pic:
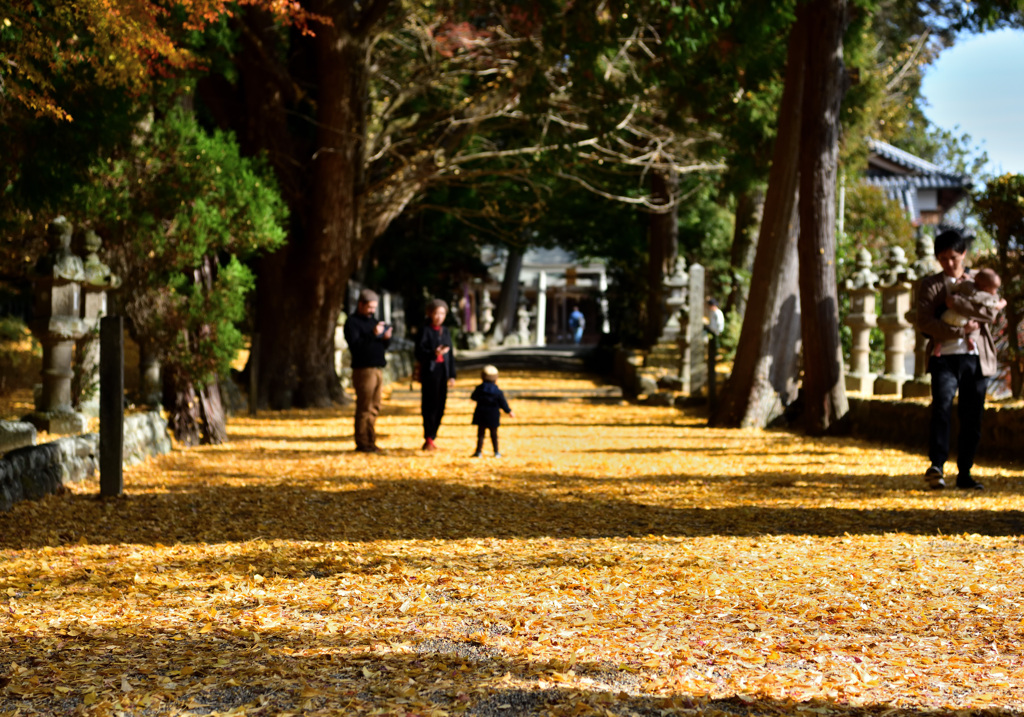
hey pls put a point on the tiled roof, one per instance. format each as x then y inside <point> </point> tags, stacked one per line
<point>920,173</point>
<point>931,181</point>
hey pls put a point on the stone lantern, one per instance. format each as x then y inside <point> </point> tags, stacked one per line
<point>925,265</point>
<point>675,291</point>
<point>57,324</point>
<point>97,282</point>
<point>893,321</point>
<point>861,319</point>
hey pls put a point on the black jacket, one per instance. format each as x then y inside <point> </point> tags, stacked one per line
<point>490,402</point>
<point>366,347</point>
<point>426,354</point>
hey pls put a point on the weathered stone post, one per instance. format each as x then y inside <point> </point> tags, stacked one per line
<point>57,324</point>
<point>925,265</point>
<point>693,326</point>
<point>98,281</point>
<point>862,290</point>
<point>893,321</point>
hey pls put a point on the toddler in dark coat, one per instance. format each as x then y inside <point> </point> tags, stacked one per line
<point>490,402</point>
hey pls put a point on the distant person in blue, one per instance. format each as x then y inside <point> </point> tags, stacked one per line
<point>576,324</point>
<point>436,369</point>
<point>490,402</point>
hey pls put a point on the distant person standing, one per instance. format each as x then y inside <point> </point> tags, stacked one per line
<point>368,340</point>
<point>576,324</point>
<point>490,402</point>
<point>716,319</point>
<point>436,368</point>
<point>961,360</point>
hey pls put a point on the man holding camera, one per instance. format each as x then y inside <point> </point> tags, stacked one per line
<point>368,340</point>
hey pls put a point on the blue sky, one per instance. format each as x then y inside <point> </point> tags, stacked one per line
<point>978,86</point>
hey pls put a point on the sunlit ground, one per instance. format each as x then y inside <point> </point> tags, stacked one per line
<point>618,559</point>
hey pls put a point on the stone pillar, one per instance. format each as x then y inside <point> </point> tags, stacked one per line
<point>861,319</point>
<point>925,265</point>
<point>340,347</point>
<point>57,324</point>
<point>602,288</point>
<point>542,307</point>
<point>486,310</point>
<point>693,326</point>
<point>893,321</point>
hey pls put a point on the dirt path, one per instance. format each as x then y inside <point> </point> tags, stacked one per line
<point>617,560</point>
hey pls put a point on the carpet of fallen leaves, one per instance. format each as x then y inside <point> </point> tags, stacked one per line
<point>619,560</point>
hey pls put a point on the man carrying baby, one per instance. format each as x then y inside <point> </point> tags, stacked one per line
<point>962,359</point>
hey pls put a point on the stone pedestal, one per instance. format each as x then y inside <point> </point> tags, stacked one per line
<point>893,321</point>
<point>861,319</point>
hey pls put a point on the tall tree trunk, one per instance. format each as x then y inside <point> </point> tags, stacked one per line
<point>663,245</point>
<point>749,212</point>
<point>825,402</point>
<point>508,297</point>
<point>297,346</point>
<point>764,375</point>
<point>183,416</point>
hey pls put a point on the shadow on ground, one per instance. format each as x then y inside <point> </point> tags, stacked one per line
<point>176,670</point>
<point>358,508</point>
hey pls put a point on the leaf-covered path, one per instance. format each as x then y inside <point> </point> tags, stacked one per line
<point>618,560</point>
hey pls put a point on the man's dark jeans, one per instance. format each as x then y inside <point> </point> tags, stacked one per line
<point>950,375</point>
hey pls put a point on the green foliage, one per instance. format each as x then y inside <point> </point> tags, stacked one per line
<point>873,222</point>
<point>178,212</point>
<point>1000,207</point>
<point>705,236</point>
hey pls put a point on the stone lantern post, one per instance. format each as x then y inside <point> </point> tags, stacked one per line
<point>675,291</point>
<point>893,321</point>
<point>925,265</point>
<point>862,290</point>
<point>97,282</point>
<point>57,323</point>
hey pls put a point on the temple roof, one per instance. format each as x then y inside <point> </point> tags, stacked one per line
<point>890,167</point>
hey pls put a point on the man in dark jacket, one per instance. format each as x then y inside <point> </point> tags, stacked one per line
<point>963,366</point>
<point>368,340</point>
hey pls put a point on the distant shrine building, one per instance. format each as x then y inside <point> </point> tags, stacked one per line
<point>924,190</point>
<point>550,283</point>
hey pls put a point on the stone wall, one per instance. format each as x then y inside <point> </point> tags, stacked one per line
<point>905,423</point>
<point>31,472</point>
<point>16,434</point>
